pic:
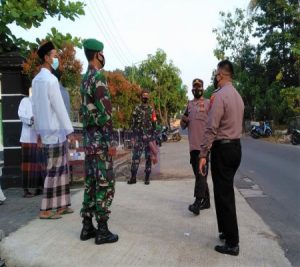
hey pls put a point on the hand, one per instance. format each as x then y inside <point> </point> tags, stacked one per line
<point>112,151</point>
<point>39,142</point>
<point>71,138</point>
<point>185,119</point>
<point>202,166</point>
<point>31,121</point>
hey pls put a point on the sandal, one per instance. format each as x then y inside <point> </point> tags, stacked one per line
<point>38,192</point>
<point>28,195</point>
<point>64,211</point>
<point>52,216</point>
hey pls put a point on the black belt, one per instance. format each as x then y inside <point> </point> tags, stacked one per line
<point>227,141</point>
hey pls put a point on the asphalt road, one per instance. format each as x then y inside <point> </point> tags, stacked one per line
<point>272,172</point>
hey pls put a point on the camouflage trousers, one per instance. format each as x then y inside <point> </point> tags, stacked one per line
<point>138,149</point>
<point>99,188</point>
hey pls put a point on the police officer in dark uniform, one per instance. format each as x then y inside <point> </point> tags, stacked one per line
<point>222,135</point>
<point>195,119</point>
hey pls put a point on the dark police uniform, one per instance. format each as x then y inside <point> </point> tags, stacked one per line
<point>196,112</point>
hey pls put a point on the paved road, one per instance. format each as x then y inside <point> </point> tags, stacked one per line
<point>272,171</point>
<point>154,225</point>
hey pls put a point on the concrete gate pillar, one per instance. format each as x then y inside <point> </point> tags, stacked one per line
<point>14,86</point>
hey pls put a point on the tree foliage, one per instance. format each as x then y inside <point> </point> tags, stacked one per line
<point>234,36</point>
<point>31,13</point>
<point>263,71</point>
<point>125,95</point>
<point>162,78</point>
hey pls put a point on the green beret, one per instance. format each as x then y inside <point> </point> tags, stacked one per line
<point>93,44</point>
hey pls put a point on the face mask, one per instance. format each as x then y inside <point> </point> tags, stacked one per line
<point>216,82</point>
<point>102,61</point>
<point>55,63</point>
<point>145,100</point>
<point>197,93</point>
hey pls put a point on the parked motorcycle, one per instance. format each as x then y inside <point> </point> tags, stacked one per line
<point>295,139</point>
<point>263,130</point>
<point>158,139</point>
<point>169,135</point>
<point>164,134</point>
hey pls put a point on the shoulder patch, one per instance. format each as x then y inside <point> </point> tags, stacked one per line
<point>211,101</point>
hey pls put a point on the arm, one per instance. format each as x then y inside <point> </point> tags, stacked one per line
<point>59,108</point>
<point>215,115</point>
<point>132,124</point>
<point>154,120</point>
<point>66,98</point>
<point>185,119</point>
<point>24,111</point>
<point>132,119</point>
<point>102,105</point>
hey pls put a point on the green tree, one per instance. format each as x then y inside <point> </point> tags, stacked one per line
<point>263,71</point>
<point>209,91</point>
<point>292,97</point>
<point>278,28</point>
<point>31,13</point>
<point>125,96</point>
<point>233,38</point>
<point>249,78</point>
<point>162,78</point>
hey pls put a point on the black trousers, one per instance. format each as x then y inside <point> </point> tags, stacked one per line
<point>225,160</point>
<point>201,188</point>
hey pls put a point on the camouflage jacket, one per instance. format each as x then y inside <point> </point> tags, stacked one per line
<point>96,110</point>
<point>143,122</point>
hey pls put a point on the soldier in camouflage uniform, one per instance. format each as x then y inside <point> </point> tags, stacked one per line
<point>97,131</point>
<point>143,122</point>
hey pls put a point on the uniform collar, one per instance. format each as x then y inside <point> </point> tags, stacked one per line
<point>92,67</point>
<point>197,101</point>
<point>225,85</point>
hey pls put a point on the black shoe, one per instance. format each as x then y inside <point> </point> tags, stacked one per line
<point>38,192</point>
<point>147,179</point>
<point>88,230</point>
<point>103,235</point>
<point>131,181</point>
<point>195,207</point>
<point>222,236</point>
<point>205,204</point>
<point>225,249</point>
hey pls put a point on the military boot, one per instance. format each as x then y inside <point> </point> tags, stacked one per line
<point>147,178</point>
<point>205,202</point>
<point>132,180</point>
<point>195,207</point>
<point>103,235</point>
<point>88,230</point>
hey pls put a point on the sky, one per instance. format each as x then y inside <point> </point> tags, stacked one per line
<point>133,29</point>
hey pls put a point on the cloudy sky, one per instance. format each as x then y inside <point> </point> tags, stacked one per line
<point>130,30</point>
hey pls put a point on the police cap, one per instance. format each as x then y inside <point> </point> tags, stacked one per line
<point>197,81</point>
